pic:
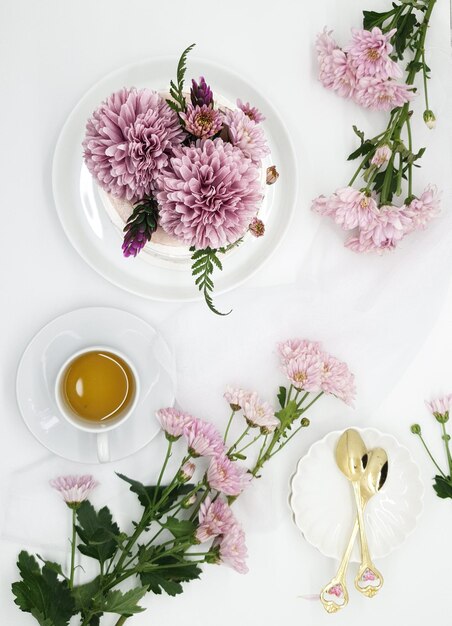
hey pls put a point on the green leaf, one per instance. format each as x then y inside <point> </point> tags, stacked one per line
<point>85,595</point>
<point>373,18</point>
<point>147,494</point>
<point>166,573</point>
<point>358,133</point>
<point>42,621</point>
<point>41,593</point>
<point>177,103</point>
<point>204,261</point>
<point>98,532</point>
<point>364,148</point>
<point>180,527</point>
<point>443,486</point>
<point>124,603</point>
<point>404,31</point>
<point>282,394</point>
<point>288,414</point>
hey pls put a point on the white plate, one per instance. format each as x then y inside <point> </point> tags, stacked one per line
<point>98,241</point>
<point>76,330</point>
<point>323,504</point>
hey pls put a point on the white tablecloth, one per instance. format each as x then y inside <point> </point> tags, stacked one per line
<point>389,318</point>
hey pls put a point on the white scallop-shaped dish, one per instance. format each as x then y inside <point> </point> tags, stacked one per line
<point>323,504</point>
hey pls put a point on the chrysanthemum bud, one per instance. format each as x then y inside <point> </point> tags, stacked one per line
<point>429,119</point>
<point>382,155</point>
<point>189,501</point>
<point>305,422</point>
<point>257,227</point>
<point>442,418</point>
<point>416,429</point>
<point>186,471</point>
<point>272,175</point>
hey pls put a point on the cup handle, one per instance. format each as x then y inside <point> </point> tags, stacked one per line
<point>103,449</point>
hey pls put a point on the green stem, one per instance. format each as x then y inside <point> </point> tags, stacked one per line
<point>73,541</point>
<point>229,425</point>
<point>446,445</point>
<point>431,457</point>
<point>424,77</point>
<point>234,446</point>
<point>122,620</point>
<point>162,471</point>
<point>313,401</point>
<point>250,443</point>
<point>410,165</point>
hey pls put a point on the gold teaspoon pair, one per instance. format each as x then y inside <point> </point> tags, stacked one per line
<point>367,471</point>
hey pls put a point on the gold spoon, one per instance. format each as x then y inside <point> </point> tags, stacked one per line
<point>334,595</point>
<point>351,458</point>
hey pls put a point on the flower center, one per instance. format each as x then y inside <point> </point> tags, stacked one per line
<point>364,203</point>
<point>373,55</point>
<point>204,120</point>
<point>300,377</point>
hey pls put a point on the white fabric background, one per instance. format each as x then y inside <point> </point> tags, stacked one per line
<point>388,317</point>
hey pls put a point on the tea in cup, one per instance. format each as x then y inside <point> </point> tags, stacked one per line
<point>96,391</point>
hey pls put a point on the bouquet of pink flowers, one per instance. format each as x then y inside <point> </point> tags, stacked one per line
<point>368,71</point>
<point>185,164</point>
<point>184,523</point>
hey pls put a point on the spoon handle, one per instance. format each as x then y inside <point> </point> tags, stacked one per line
<point>334,596</point>
<point>368,580</point>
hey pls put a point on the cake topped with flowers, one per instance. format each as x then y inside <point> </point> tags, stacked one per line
<point>182,170</point>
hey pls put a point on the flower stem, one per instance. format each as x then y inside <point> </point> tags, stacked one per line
<point>122,620</point>
<point>410,165</point>
<point>162,471</point>
<point>305,408</point>
<point>71,578</point>
<point>228,426</point>
<point>234,446</point>
<point>431,457</point>
<point>424,77</point>
<point>446,445</point>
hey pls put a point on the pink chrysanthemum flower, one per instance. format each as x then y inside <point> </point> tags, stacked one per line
<point>232,549</point>
<point>336,73</point>
<point>252,112</point>
<point>337,379</point>
<point>257,227</point>
<point>382,95</point>
<point>203,439</point>
<point>74,489</point>
<point>325,44</point>
<point>348,207</point>
<point>352,208</point>
<point>215,518</point>
<point>173,422</point>
<point>296,348</point>
<point>369,51</point>
<point>386,230</point>
<point>260,414</point>
<point>422,210</point>
<point>202,121</point>
<point>246,135</point>
<point>209,194</point>
<point>128,141</point>
<point>236,397</point>
<point>226,476</point>
<point>304,372</point>
<point>440,407</point>
<point>381,156</point>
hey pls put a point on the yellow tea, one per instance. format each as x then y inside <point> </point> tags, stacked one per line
<point>98,385</point>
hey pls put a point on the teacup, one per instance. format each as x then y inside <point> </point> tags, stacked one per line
<point>96,391</point>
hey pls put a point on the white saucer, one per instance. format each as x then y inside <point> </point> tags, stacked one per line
<point>66,334</point>
<point>81,210</point>
<point>323,504</point>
